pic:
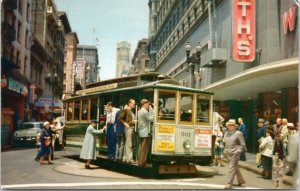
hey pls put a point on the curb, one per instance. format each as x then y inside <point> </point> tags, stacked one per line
<point>285,179</point>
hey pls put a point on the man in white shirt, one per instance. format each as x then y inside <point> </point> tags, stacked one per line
<point>217,124</point>
<point>111,130</point>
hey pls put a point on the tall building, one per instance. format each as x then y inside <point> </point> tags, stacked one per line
<point>123,59</point>
<point>265,86</point>
<point>140,58</point>
<point>87,64</point>
<point>71,41</point>
<point>15,64</point>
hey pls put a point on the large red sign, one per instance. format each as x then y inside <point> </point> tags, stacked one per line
<point>243,29</point>
<point>288,19</point>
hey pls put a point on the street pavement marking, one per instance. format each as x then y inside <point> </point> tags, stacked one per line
<point>118,184</point>
<point>190,179</point>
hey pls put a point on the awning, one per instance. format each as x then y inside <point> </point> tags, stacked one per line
<point>265,78</point>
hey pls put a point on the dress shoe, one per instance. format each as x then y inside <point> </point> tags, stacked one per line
<point>87,167</point>
<point>50,162</point>
<point>259,166</point>
<point>228,187</point>
<point>267,177</point>
<point>289,173</point>
<point>241,183</point>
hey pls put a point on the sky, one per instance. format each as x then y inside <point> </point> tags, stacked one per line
<point>110,21</point>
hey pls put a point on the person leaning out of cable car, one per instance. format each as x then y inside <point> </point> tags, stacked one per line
<point>145,117</point>
<point>88,150</point>
<point>234,146</point>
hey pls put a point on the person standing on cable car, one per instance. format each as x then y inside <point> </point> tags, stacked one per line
<point>127,119</point>
<point>145,117</point>
<point>111,130</point>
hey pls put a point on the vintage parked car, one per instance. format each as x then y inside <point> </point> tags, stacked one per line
<point>28,134</point>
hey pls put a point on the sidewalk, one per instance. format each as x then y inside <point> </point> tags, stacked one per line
<point>250,164</point>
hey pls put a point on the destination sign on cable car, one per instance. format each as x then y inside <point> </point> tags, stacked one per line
<point>97,89</point>
<point>165,140</point>
<point>202,138</point>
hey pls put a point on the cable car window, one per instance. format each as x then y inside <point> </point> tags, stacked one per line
<point>186,108</point>
<point>70,111</point>
<point>76,110</point>
<point>84,110</point>
<point>203,105</point>
<point>94,103</point>
<point>166,106</point>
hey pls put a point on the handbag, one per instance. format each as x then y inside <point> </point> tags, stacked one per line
<point>47,142</point>
<point>258,158</point>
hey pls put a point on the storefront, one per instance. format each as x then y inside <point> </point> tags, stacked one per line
<point>47,107</point>
<point>14,95</point>
<point>267,91</point>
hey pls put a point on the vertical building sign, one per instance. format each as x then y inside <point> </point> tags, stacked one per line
<point>243,29</point>
<point>288,19</point>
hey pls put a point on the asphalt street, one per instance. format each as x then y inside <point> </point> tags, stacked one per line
<point>20,171</point>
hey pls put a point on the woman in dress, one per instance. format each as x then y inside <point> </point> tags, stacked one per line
<point>88,150</point>
<point>277,170</point>
<point>219,148</point>
<point>45,140</point>
<point>266,148</point>
<point>234,146</point>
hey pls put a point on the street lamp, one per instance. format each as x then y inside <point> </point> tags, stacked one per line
<point>192,60</point>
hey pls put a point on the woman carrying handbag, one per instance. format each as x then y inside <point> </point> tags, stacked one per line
<point>45,140</point>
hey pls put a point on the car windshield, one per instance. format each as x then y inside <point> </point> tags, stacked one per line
<point>32,125</point>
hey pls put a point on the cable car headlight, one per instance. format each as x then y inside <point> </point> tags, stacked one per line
<point>187,144</point>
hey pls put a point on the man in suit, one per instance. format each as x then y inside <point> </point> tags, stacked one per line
<point>145,117</point>
<point>127,119</point>
<point>243,129</point>
<point>234,146</point>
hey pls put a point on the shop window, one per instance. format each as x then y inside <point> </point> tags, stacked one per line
<point>203,105</point>
<point>186,108</point>
<point>70,111</point>
<point>166,106</point>
<point>76,110</point>
<point>84,110</point>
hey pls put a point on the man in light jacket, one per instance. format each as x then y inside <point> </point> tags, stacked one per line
<point>145,117</point>
<point>88,150</point>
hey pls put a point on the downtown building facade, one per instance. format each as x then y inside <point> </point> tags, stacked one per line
<point>264,86</point>
<point>32,62</point>
<point>49,27</point>
<point>123,58</point>
<point>86,66</point>
<point>69,64</point>
<point>140,58</point>
<point>15,63</point>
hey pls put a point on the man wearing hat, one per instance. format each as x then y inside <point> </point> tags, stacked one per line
<point>88,150</point>
<point>234,146</point>
<point>260,133</point>
<point>145,117</point>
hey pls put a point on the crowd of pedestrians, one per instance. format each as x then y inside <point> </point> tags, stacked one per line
<point>276,145</point>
